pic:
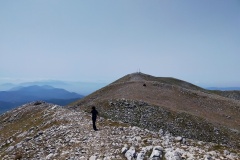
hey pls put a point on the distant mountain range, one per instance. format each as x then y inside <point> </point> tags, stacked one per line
<point>83,88</point>
<point>21,95</point>
<point>224,88</point>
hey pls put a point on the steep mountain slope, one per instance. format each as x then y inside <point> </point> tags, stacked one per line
<point>177,106</point>
<point>40,130</point>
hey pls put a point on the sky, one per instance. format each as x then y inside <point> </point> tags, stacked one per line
<point>101,41</point>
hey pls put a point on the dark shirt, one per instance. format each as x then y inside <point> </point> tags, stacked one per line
<point>94,114</point>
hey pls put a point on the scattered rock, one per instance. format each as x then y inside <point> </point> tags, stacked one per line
<point>93,158</point>
<point>60,133</point>
<point>124,149</point>
<point>130,154</point>
<point>157,153</point>
<point>173,155</point>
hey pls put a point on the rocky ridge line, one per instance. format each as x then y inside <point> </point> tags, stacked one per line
<point>60,133</point>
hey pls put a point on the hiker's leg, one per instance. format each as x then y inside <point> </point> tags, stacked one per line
<point>94,124</point>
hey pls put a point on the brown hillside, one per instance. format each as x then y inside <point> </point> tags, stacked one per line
<point>171,94</point>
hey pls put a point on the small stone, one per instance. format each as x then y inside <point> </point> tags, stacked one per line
<point>137,138</point>
<point>130,154</point>
<point>226,152</point>
<point>173,155</point>
<point>141,155</point>
<point>124,149</point>
<point>50,156</point>
<point>157,153</point>
<point>93,158</point>
<point>178,139</point>
<point>10,148</point>
<point>161,132</point>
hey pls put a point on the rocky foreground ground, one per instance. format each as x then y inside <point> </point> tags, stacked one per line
<point>46,131</point>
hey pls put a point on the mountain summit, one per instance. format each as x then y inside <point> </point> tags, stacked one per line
<point>174,105</point>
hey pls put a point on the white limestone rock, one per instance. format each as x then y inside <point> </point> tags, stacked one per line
<point>178,139</point>
<point>141,155</point>
<point>124,149</point>
<point>49,156</point>
<point>156,153</point>
<point>130,154</point>
<point>93,157</point>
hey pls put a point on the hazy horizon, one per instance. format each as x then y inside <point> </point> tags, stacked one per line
<point>101,41</point>
<point>42,82</point>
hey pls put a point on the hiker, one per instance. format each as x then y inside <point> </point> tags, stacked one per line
<point>94,117</point>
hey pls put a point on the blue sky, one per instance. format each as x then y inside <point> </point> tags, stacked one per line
<point>196,41</point>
